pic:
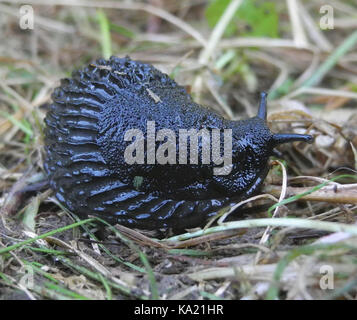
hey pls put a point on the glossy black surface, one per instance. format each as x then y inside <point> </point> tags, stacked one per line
<point>85,149</point>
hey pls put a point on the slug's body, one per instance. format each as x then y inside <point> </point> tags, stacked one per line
<point>85,149</point>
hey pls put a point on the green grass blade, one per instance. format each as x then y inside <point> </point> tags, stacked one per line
<point>105,37</point>
<point>331,60</point>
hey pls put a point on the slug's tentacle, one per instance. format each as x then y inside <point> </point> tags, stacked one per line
<point>280,138</point>
<point>262,111</point>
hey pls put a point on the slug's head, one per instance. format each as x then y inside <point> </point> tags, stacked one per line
<point>254,135</point>
<point>252,145</point>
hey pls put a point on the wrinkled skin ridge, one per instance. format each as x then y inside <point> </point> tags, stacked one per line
<point>84,144</point>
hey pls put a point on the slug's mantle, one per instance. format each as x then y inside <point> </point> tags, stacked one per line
<point>85,146</point>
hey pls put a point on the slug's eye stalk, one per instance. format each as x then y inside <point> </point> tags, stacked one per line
<point>262,112</point>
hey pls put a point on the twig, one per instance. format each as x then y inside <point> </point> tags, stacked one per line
<point>332,194</point>
<point>299,35</point>
<point>224,106</point>
<point>264,239</point>
<point>265,236</point>
<point>218,31</point>
<point>262,42</point>
<point>321,91</point>
<point>236,206</point>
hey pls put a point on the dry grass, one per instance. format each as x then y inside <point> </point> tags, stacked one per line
<point>312,79</point>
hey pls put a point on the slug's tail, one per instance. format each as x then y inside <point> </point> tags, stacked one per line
<point>279,138</point>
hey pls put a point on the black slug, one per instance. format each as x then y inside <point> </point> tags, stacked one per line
<point>90,149</point>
